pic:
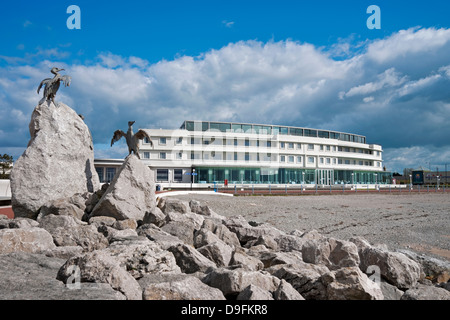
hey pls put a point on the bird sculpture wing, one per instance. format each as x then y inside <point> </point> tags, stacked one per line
<point>43,82</point>
<point>141,134</point>
<point>66,80</point>
<point>117,135</point>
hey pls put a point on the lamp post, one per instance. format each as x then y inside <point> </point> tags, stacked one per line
<point>410,182</point>
<point>353,181</point>
<point>376,181</point>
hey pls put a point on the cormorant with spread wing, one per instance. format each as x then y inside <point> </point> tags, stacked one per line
<point>52,85</point>
<point>131,138</point>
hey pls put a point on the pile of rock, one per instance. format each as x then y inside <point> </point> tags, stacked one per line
<point>184,250</point>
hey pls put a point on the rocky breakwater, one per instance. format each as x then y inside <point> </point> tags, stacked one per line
<point>184,250</point>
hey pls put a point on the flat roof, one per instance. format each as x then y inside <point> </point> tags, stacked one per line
<point>196,125</point>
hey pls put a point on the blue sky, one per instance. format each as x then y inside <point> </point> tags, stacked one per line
<point>303,63</point>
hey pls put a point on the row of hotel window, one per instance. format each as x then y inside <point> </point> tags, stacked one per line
<point>268,144</point>
<point>263,157</point>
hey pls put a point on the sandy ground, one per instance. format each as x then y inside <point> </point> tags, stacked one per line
<point>418,222</point>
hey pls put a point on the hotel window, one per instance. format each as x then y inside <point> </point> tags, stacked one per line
<point>290,145</point>
<point>146,155</point>
<point>281,145</point>
<point>179,140</point>
<point>178,175</point>
<point>162,174</point>
<point>235,156</point>
<point>282,158</point>
<point>247,142</point>
<point>110,172</point>
<point>321,161</point>
<point>334,160</point>
<point>291,159</point>
<point>269,144</point>
<point>321,147</point>
<point>162,140</point>
<point>100,174</point>
<point>299,145</point>
<point>247,156</point>
<point>299,159</point>
<point>310,147</point>
<point>328,161</point>
<point>179,155</point>
<point>162,155</point>
<point>310,159</point>
<point>334,148</point>
<point>328,148</point>
<point>361,162</point>
<point>347,161</point>
<point>235,141</point>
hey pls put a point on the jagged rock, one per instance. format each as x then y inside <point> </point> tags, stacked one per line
<point>286,291</point>
<point>232,282</point>
<point>350,283</point>
<point>333,253</point>
<point>192,218</point>
<point>304,277</point>
<point>204,210</point>
<point>394,267</point>
<point>156,217</point>
<point>272,258</point>
<point>100,267</point>
<point>72,206</point>
<point>142,256</point>
<point>246,232</point>
<point>68,231</point>
<point>184,230</point>
<point>438,271</point>
<point>114,235</point>
<point>125,224</point>
<point>102,221</point>
<point>153,233</point>
<point>65,253</point>
<point>218,252</point>
<point>22,223</point>
<point>290,242</point>
<point>424,292</point>
<point>177,287</point>
<point>240,259</point>
<point>203,237</point>
<point>59,140</point>
<point>131,194</point>
<point>389,291</point>
<point>221,231</point>
<point>26,276</point>
<point>252,292</point>
<point>175,205</point>
<point>30,240</point>
<point>190,260</point>
<point>267,241</point>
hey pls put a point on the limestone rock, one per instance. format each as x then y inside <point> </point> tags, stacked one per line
<point>68,231</point>
<point>156,217</point>
<point>424,292</point>
<point>190,260</point>
<point>240,259</point>
<point>252,292</point>
<point>58,162</point>
<point>184,230</point>
<point>351,283</point>
<point>246,232</point>
<point>131,194</point>
<point>218,252</point>
<point>73,206</point>
<point>31,240</point>
<point>177,287</point>
<point>232,282</point>
<point>153,233</point>
<point>27,276</point>
<point>333,253</point>
<point>100,267</point>
<point>286,292</point>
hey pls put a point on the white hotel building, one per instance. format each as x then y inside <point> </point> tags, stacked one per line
<point>204,153</point>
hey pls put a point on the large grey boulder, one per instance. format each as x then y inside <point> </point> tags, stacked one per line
<point>31,240</point>
<point>190,260</point>
<point>333,253</point>
<point>131,194</point>
<point>27,276</point>
<point>394,267</point>
<point>100,267</point>
<point>58,162</point>
<point>252,292</point>
<point>247,232</point>
<point>177,287</point>
<point>68,231</point>
<point>232,282</point>
<point>161,237</point>
<point>424,292</point>
<point>351,283</point>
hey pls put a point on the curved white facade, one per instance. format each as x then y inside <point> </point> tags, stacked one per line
<point>225,152</point>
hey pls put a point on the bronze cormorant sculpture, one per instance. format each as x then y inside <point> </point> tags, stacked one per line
<point>52,85</point>
<point>131,138</point>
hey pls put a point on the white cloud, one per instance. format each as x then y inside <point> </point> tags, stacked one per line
<point>381,90</point>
